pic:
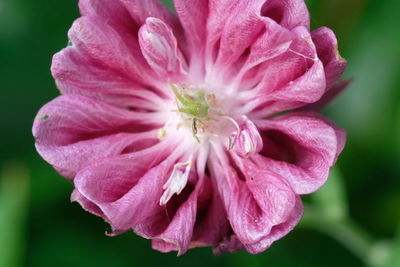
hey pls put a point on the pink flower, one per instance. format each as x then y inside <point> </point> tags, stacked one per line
<point>173,126</point>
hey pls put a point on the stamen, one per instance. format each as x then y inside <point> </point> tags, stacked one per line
<point>249,140</point>
<point>162,133</point>
<point>194,130</point>
<point>248,144</point>
<point>231,142</point>
<point>177,181</point>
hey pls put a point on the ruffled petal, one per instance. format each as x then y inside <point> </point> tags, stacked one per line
<point>111,11</point>
<point>228,245</point>
<point>77,73</point>
<point>195,218</point>
<point>86,204</point>
<point>180,228</point>
<point>127,188</point>
<point>278,231</point>
<point>73,130</point>
<point>104,44</point>
<point>104,60</point>
<point>141,10</point>
<point>255,200</point>
<point>328,97</point>
<point>193,18</point>
<point>289,14</point>
<point>233,26</point>
<point>212,224</point>
<point>219,12</point>
<point>274,41</point>
<point>291,80</point>
<point>327,49</point>
<point>241,28</point>
<point>301,147</point>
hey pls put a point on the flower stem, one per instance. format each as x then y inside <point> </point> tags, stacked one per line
<point>349,234</point>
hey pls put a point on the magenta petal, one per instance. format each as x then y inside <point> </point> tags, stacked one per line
<point>159,47</point>
<point>255,205</point>
<point>271,192</point>
<point>241,28</point>
<point>328,97</point>
<point>180,229</point>
<point>127,188</point>
<point>76,73</point>
<point>193,17</point>
<point>111,11</point>
<point>197,221</point>
<point>72,130</point>
<point>290,80</point>
<point>211,224</point>
<point>274,41</point>
<point>219,12</point>
<point>289,14</point>
<point>105,44</point>
<point>163,246</point>
<point>301,147</point>
<point>229,244</point>
<point>278,231</point>
<point>327,48</point>
<point>86,204</point>
<point>141,10</point>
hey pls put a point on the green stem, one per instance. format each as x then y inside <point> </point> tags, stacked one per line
<point>14,196</point>
<point>345,231</point>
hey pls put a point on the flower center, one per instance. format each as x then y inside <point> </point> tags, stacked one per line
<point>202,113</point>
<point>198,116</point>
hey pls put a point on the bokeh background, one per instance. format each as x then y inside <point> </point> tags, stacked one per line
<point>353,221</point>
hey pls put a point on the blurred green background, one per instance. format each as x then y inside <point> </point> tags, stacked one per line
<point>353,221</point>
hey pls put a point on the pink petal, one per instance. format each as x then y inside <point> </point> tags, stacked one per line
<point>108,38</point>
<point>229,244</point>
<point>289,14</point>
<point>278,231</point>
<point>159,47</point>
<point>195,219</point>
<point>272,193</point>
<point>76,73</point>
<point>193,17</point>
<point>293,79</point>
<point>255,205</point>
<point>301,147</point>
<point>241,28</point>
<point>111,11</point>
<point>327,48</point>
<point>73,130</point>
<point>127,188</point>
<point>238,23</point>
<point>164,245</point>
<point>86,204</point>
<point>274,41</point>
<point>211,223</point>
<point>219,12</point>
<point>180,229</point>
<point>127,15</point>
<point>141,10</point>
<point>328,97</point>
<point>103,43</point>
